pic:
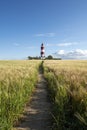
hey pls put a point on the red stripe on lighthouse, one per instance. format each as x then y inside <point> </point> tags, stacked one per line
<point>42,51</point>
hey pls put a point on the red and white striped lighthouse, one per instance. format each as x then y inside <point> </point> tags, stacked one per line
<point>42,51</point>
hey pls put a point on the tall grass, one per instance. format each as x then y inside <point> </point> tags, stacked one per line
<point>67,81</point>
<point>17,81</point>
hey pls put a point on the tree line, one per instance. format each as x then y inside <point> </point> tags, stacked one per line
<point>49,57</point>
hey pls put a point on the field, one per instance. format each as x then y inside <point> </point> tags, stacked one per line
<point>67,87</point>
<point>67,82</point>
<point>17,81</point>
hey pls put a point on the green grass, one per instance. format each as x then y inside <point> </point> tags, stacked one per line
<point>17,81</point>
<point>67,82</point>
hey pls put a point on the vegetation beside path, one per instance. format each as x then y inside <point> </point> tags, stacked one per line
<point>17,81</point>
<point>67,83</point>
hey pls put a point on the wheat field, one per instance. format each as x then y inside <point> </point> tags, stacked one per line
<point>67,88</point>
<point>67,81</point>
<point>17,81</point>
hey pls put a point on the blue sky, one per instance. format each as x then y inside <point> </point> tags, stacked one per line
<point>60,24</point>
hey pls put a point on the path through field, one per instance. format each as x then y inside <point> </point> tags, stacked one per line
<point>37,114</point>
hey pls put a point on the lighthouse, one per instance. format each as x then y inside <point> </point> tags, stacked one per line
<point>42,51</point>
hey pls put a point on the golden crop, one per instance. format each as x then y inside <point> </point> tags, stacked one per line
<point>17,81</point>
<point>67,81</point>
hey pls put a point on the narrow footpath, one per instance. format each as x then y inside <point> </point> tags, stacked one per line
<point>38,111</point>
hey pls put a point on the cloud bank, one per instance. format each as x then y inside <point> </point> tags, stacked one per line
<point>75,54</point>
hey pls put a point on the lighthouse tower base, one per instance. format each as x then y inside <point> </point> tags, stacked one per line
<point>43,57</point>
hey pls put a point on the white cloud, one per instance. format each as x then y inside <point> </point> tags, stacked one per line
<point>45,35</point>
<point>65,44</point>
<point>75,54</point>
<point>61,52</point>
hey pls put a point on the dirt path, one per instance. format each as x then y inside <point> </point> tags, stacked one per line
<point>37,114</point>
